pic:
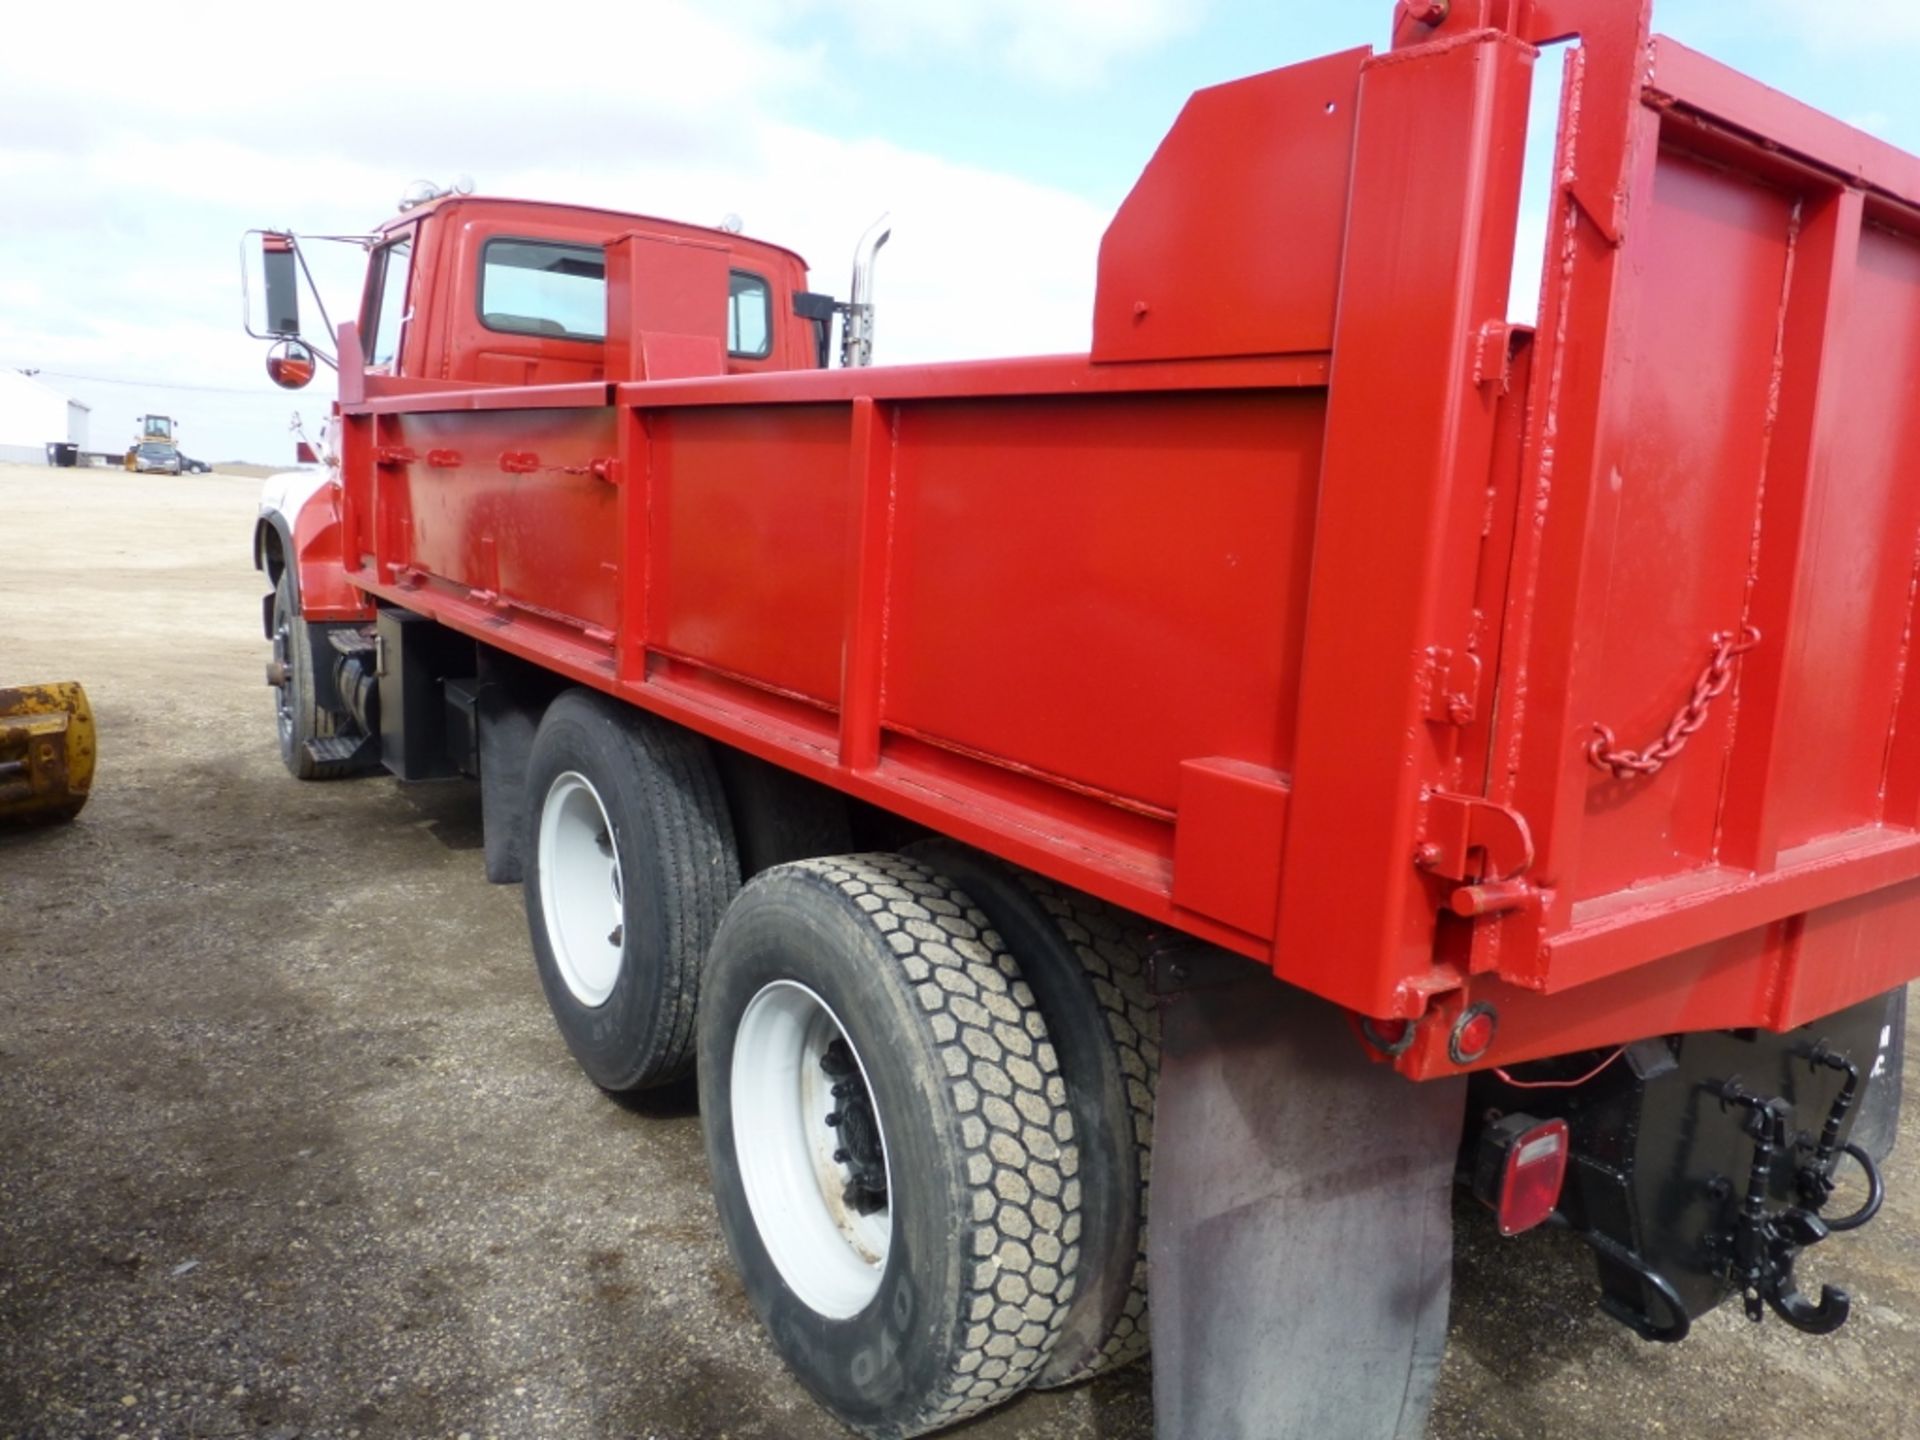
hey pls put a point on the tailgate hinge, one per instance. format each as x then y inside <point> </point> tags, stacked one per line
<point>1454,828</point>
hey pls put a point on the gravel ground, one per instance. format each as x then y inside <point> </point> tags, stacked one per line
<point>289,1148</point>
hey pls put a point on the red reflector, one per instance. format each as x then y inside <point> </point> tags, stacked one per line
<point>1536,1168</point>
<point>1521,1165</point>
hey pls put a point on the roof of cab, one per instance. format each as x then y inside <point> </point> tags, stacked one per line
<point>625,217</point>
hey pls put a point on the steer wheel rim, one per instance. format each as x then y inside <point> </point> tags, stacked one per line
<point>283,697</point>
<point>581,898</point>
<point>801,1104</point>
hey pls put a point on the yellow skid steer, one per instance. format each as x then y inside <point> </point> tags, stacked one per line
<point>46,753</point>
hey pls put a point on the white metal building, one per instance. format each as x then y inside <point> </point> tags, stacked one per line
<point>33,415</point>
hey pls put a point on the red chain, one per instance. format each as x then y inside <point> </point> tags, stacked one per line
<point>1711,685</point>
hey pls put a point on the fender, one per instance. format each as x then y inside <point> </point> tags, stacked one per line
<point>300,510</point>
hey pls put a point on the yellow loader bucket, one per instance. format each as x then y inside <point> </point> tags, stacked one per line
<point>46,753</point>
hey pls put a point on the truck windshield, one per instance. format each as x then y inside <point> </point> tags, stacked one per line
<point>395,261</point>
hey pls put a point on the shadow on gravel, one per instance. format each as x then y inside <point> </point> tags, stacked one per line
<point>186,1245</point>
<point>678,1101</point>
<point>449,811</point>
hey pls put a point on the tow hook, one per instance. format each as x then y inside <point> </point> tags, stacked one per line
<point>1760,1247</point>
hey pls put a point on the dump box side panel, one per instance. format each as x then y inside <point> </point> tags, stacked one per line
<point>1065,619</point>
<point>747,554</point>
<point>506,503</point>
<point>1098,590</point>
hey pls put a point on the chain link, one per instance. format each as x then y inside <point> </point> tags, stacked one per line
<point>1712,684</point>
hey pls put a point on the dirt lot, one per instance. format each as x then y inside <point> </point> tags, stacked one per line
<point>288,1146</point>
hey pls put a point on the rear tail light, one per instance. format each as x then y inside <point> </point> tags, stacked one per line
<point>1521,1165</point>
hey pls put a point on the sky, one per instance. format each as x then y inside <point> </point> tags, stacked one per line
<point>1000,134</point>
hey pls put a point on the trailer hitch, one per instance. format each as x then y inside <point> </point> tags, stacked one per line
<point>1760,1247</point>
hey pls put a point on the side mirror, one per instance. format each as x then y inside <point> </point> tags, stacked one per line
<point>277,261</point>
<point>290,364</point>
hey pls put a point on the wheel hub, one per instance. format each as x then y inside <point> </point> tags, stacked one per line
<point>284,698</point>
<point>859,1132</point>
<point>581,901</point>
<point>812,1149</point>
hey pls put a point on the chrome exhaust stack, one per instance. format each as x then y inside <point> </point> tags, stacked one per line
<point>856,328</point>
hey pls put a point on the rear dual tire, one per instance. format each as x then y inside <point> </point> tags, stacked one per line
<point>630,864</point>
<point>1086,963</point>
<point>950,1299</point>
<point>984,1230</point>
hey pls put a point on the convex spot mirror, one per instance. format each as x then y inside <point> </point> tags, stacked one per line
<point>290,364</point>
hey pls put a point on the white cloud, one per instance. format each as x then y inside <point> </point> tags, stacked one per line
<point>124,203</point>
<point>1059,42</point>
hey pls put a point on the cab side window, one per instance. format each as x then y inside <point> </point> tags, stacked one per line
<point>392,265</point>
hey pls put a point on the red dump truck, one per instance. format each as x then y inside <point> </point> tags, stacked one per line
<point>1325,746</point>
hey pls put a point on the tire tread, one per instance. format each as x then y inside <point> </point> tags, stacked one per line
<point>1115,949</point>
<point>1020,1164</point>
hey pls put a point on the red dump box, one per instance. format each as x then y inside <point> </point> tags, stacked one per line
<point>1434,661</point>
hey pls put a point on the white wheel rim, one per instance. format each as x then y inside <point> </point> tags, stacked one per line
<point>829,1254</point>
<point>580,891</point>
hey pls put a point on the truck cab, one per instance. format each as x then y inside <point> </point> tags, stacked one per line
<point>467,292</point>
<point>514,292</point>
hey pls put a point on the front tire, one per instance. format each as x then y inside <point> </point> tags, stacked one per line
<point>629,866</point>
<point>892,1154</point>
<point>296,715</point>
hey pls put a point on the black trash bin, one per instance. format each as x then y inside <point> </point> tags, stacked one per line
<point>63,453</point>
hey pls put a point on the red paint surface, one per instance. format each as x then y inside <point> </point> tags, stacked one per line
<point>1243,638</point>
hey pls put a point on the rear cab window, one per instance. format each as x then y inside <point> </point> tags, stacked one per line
<point>559,291</point>
<point>537,287</point>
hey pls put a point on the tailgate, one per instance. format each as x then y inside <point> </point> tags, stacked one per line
<point>1727,436</point>
<point>1649,683</point>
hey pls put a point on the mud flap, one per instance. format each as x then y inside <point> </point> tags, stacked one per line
<point>1301,1237</point>
<point>1878,1122</point>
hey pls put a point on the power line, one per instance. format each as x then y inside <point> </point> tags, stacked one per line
<point>147,384</point>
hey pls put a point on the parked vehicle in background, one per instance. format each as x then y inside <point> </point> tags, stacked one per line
<point>190,466</point>
<point>1261,773</point>
<point>155,457</point>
